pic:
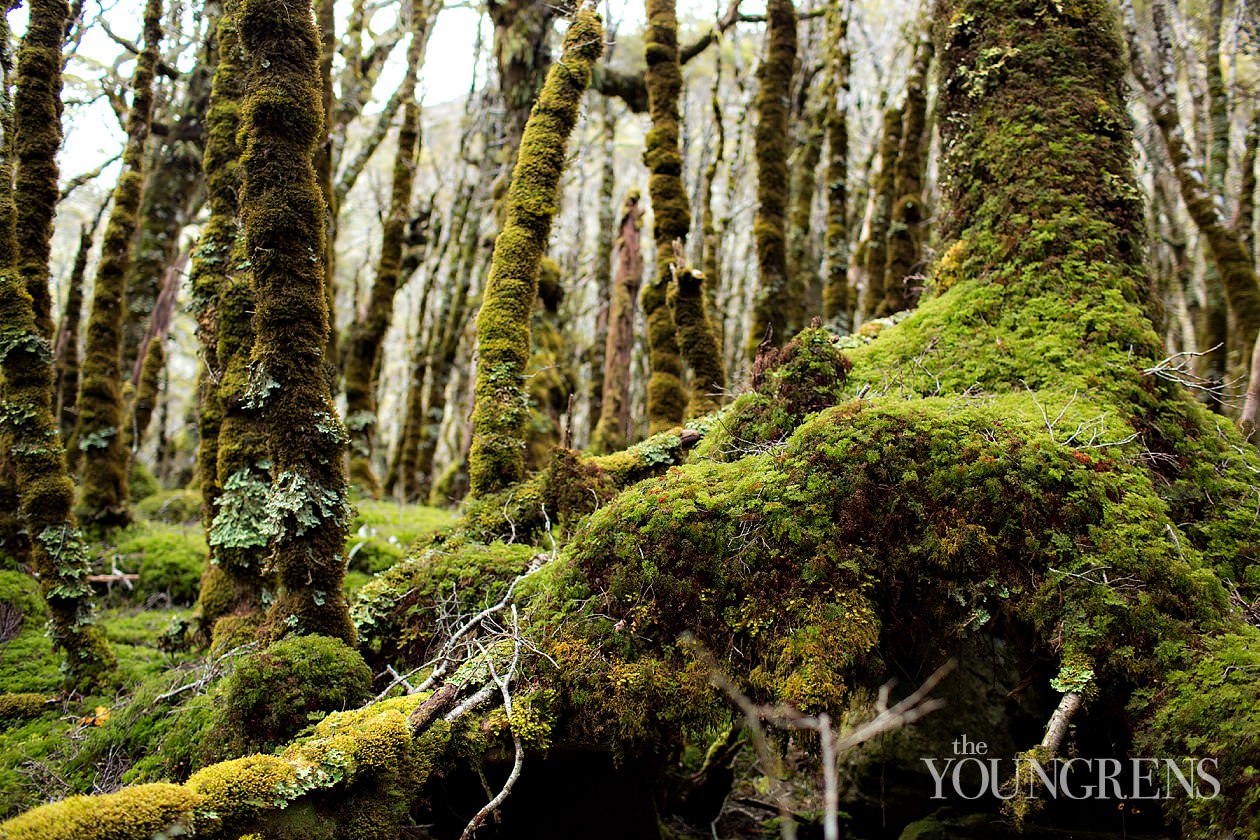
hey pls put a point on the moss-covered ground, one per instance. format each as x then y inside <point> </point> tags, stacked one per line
<point>54,745</point>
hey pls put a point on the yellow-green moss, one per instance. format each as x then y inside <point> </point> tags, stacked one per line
<point>137,813</point>
<point>503,325</point>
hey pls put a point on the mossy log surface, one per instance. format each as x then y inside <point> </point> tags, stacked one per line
<point>1008,446</point>
<point>282,209</point>
<point>503,324</point>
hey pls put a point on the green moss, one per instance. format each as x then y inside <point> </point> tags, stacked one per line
<point>397,614</point>
<point>774,82</point>
<point>276,692</point>
<point>503,324</point>
<point>806,376</point>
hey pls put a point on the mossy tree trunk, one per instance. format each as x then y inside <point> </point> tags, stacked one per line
<point>688,304</point>
<point>773,307</point>
<point>836,95</point>
<point>503,324</point>
<point>282,123</point>
<point>905,235</point>
<point>613,430</point>
<point>67,347</point>
<point>37,113</point>
<point>45,491</point>
<point>103,496</point>
<point>146,372</point>
<point>228,587</point>
<point>671,214</point>
<point>367,336</point>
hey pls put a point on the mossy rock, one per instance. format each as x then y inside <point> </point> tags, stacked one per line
<point>275,693</point>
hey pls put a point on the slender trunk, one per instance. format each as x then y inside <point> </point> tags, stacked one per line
<point>146,373</point>
<point>908,212</point>
<point>613,431</point>
<point>603,270</point>
<point>103,496</point>
<point>45,491</point>
<point>364,346</point>
<point>711,235</point>
<point>875,248</point>
<point>804,282</point>
<point>1245,215</point>
<point>772,309</point>
<point>496,459</point>
<point>836,286</point>
<point>671,216</point>
<point>283,212</point>
<point>67,348</point>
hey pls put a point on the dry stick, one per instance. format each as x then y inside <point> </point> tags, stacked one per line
<point>502,682</point>
<point>1058,726</point>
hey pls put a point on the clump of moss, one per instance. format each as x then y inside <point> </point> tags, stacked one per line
<point>275,693</point>
<point>169,559</point>
<point>155,810</point>
<point>500,411</point>
<point>808,375</point>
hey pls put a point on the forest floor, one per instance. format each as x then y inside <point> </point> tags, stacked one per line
<point>54,745</point>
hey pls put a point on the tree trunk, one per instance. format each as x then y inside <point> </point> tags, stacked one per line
<point>613,431</point>
<point>875,246</point>
<point>45,492</point>
<point>364,345</point>
<point>836,288</point>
